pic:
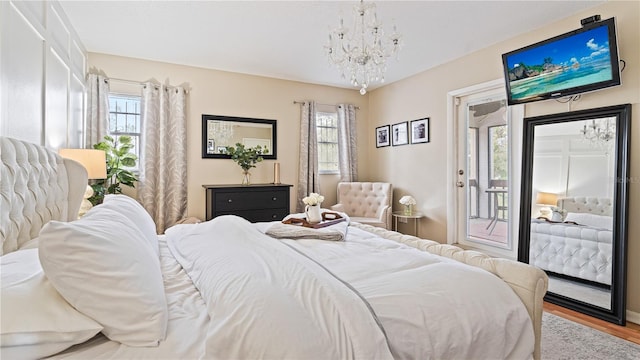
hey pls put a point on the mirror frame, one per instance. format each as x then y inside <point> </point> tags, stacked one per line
<point>274,132</point>
<point>622,113</point>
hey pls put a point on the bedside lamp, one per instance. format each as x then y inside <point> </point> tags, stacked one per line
<point>95,161</point>
<point>546,199</point>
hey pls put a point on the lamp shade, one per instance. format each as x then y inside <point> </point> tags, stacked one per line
<point>95,161</point>
<point>545,198</point>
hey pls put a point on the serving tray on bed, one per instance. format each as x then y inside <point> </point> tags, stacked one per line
<point>328,218</point>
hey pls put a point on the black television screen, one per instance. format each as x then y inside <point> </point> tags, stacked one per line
<point>582,60</point>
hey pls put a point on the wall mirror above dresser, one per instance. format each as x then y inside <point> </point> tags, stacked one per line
<point>574,207</point>
<point>218,132</point>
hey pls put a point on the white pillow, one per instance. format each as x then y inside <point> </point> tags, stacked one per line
<point>36,321</point>
<point>132,209</point>
<point>103,265</point>
<point>593,220</point>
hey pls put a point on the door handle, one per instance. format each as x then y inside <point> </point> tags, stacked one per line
<point>460,184</point>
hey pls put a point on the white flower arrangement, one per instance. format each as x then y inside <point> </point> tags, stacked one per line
<point>313,199</point>
<point>407,200</point>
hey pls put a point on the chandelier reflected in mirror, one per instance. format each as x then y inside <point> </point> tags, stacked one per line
<point>361,52</point>
<point>220,131</point>
<point>600,132</point>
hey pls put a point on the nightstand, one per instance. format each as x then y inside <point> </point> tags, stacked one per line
<point>415,216</point>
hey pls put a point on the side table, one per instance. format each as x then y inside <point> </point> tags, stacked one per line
<point>416,215</point>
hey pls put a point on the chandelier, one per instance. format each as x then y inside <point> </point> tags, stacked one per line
<point>220,131</point>
<point>600,132</point>
<point>361,54</point>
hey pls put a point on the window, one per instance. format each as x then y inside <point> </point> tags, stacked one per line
<point>498,152</point>
<point>327,127</point>
<point>124,119</point>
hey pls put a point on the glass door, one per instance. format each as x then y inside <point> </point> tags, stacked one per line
<point>485,152</point>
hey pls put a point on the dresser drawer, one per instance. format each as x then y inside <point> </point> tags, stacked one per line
<point>230,201</point>
<point>260,202</point>
<point>258,215</point>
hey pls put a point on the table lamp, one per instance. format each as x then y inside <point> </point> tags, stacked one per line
<point>546,199</point>
<point>95,161</point>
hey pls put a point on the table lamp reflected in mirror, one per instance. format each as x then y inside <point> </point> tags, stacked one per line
<point>546,200</point>
<point>95,162</point>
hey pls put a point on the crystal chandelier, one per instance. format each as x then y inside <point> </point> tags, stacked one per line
<point>600,132</point>
<point>361,54</point>
<point>221,132</point>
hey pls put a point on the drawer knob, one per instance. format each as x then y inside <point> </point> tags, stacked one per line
<point>230,200</point>
<point>274,216</point>
<point>274,198</point>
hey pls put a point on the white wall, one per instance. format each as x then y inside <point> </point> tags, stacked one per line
<point>42,67</point>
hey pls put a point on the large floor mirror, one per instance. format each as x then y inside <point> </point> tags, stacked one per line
<point>574,207</point>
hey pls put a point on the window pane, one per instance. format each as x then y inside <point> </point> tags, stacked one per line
<point>124,118</point>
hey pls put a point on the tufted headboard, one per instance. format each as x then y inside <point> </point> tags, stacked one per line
<point>36,186</point>
<point>591,205</point>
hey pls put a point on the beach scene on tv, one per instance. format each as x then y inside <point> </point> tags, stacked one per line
<point>578,60</point>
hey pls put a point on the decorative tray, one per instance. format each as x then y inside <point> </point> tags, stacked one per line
<point>328,218</point>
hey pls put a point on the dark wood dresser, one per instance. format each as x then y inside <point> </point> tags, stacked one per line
<point>255,202</point>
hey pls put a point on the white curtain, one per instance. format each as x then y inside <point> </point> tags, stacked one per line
<point>308,167</point>
<point>163,176</point>
<point>347,150</point>
<point>97,123</point>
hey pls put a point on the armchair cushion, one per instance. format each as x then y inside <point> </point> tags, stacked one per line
<point>366,202</point>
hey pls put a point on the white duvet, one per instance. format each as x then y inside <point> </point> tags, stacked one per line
<point>363,298</point>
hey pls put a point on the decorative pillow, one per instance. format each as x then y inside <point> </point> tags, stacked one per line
<point>36,321</point>
<point>104,265</point>
<point>593,220</point>
<point>132,209</point>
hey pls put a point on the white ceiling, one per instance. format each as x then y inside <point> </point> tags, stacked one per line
<point>284,39</point>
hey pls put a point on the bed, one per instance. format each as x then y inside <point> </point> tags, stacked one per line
<point>105,286</point>
<point>579,246</point>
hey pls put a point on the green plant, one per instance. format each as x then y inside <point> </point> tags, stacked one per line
<point>245,157</point>
<point>119,158</point>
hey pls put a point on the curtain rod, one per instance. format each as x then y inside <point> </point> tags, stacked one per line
<point>134,82</point>
<point>302,102</point>
<point>124,81</point>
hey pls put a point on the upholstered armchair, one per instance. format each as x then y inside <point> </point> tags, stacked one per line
<point>366,202</point>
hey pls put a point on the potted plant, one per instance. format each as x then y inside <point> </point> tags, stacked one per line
<point>119,160</point>
<point>246,158</point>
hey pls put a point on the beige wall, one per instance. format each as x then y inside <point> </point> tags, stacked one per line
<point>420,170</point>
<point>224,93</point>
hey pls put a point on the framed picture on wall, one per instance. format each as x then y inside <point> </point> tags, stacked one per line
<point>420,131</point>
<point>399,134</point>
<point>382,136</point>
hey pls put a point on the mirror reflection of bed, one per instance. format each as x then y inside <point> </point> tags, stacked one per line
<point>575,250</point>
<point>577,227</point>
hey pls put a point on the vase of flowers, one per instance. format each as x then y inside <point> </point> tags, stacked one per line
<point>312,208</point>
<point>408,201</point>
<point>246,158</point>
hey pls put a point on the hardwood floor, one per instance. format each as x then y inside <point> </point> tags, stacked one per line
<point>631,332</point>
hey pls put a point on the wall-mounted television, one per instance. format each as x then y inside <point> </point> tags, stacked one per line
<point>582,60</point>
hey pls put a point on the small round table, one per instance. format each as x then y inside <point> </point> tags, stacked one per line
<point>401,214</point>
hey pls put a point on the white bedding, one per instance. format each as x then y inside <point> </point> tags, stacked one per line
<point>424,316</point>
<point>409,290</point>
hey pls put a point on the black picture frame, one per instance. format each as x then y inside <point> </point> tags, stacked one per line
<point>383,136</point>
<point>400,134</point>
<point>210,145</point>
<point>420,131</point>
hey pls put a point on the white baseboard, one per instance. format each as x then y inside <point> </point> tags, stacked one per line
<point>633,317</point>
